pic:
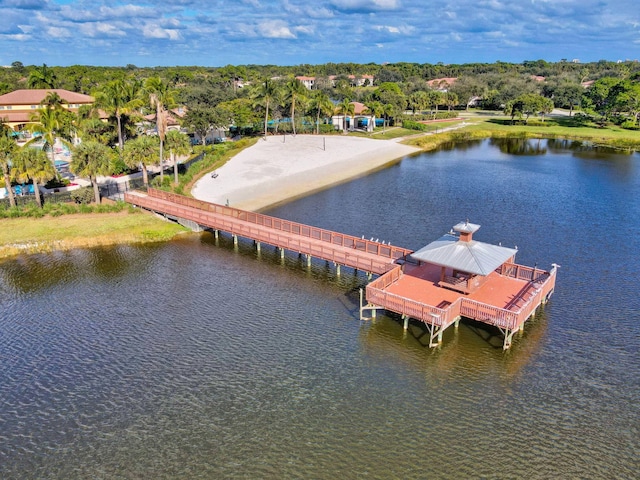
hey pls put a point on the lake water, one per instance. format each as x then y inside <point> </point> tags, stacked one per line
<point>193,358</point>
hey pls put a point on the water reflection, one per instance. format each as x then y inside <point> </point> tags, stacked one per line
<point>520,146</point>
<point>33,273</point>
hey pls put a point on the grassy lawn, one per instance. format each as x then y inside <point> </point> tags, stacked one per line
<point>28,235</point>
<point>552,128</point>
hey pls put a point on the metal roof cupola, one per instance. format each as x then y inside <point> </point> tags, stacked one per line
<point>466,230</point>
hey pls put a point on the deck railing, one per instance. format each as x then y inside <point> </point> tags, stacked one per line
<point>463,306</point>
<point>377,295</point>
<point>376,248</point>
<point>522,272</point>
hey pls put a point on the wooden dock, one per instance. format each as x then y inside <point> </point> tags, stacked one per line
<point>435,294</point>
<point>358,253</point>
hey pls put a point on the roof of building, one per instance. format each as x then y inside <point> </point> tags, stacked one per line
<point>36,96</point>
<point>439,82</point>
<point>472,257</point>
<point>359,108</point>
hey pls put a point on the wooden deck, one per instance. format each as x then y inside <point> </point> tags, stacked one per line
<point>505,298</point>
<point>354,252</point>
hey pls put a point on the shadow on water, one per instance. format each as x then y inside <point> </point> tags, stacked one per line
<point>34,273</point>
<point>473,347</point>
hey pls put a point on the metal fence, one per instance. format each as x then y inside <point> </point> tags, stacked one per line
<point>116,191</point>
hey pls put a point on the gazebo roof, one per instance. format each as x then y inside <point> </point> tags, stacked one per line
<point>467,256</point>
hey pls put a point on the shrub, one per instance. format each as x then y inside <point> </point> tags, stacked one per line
<point>414,125</point>
<point>630,125</point>
<point>83,196</point>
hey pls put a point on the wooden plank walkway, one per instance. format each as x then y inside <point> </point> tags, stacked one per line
<point>508,297</point>
<point>358,253</point>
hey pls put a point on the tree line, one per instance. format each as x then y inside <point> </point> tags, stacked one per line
<point>254,98</point>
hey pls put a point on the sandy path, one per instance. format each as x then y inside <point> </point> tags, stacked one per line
<point>283,168</point>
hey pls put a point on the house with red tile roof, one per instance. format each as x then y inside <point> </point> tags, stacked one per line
<point>17,107</point>
<point>442,84</point>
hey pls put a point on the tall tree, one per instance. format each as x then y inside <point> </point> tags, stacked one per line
<point>346,108</point>
<point>178,144</point>
<point>376,109</point>
<point>42,77</point>
<point>140,152</point>
<point>161,97</point>
<point>418,101</point>
<point>266,94</point>
<point>8,148</point>
<point>451,100</point>
<point>51,123</point>
<point>32,164</point>
<point>91,159</point>
<point>295,91</point>
<point>118,98</point>
<point>322,105</point>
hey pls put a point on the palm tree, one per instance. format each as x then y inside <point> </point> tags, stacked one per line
<point>141,151</point>
<point>42,77</point>
<point>266,94</point>
<point>161,97</point>
<point>32,164</point>
<point>178,144</point>
<point>52,123</point>
<point>321,103</point>
<point>294,91</point>
<point>418,101</point>
<point>7,149</point>
<point>451,100</point>
<point>435,97</point>
<point>52,100</point>
<point>346,108</point>
<point>389,110</point>
<point>118,98</point>
<point>91,159</point>
<point>377,110</point>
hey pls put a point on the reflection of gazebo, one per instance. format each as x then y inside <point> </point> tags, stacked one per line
<point>464,263</point>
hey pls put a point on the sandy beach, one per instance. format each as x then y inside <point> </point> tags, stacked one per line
<point>281,168</point>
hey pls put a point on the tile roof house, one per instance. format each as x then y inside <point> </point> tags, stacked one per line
<point>442,84</point>
<point>17,107</point>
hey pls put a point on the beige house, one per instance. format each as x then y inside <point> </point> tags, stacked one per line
<point>355,80</point>
<point>361,120</point>
<point>17,107</point>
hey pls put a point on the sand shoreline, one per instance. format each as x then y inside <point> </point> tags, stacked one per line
<point>282,168</point>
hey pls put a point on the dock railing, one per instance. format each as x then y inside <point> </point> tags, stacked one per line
<point>500,317</point>
<point>335,238</point>
<point>377,295</point>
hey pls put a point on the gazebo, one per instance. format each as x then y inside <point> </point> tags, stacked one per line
<point>464,263</point>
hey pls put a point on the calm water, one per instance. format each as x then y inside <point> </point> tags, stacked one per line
<point>193,359</point>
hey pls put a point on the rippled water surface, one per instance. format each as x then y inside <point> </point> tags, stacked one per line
<point>197,359</point>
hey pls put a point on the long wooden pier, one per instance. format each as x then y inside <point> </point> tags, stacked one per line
<point>432,293</point>
<point>358,253</point>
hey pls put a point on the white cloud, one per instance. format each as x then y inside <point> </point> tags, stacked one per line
<point>275,29</point>
<point>96,29</point>
<point>57,32</point>
<point>153,31</point>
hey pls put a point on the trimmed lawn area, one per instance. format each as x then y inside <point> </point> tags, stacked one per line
<point>29,235</point>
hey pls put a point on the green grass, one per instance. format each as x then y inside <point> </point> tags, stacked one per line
<point>29,235</point>
<point>552,128</point>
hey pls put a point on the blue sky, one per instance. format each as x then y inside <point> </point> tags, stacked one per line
<point>292,32</point>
